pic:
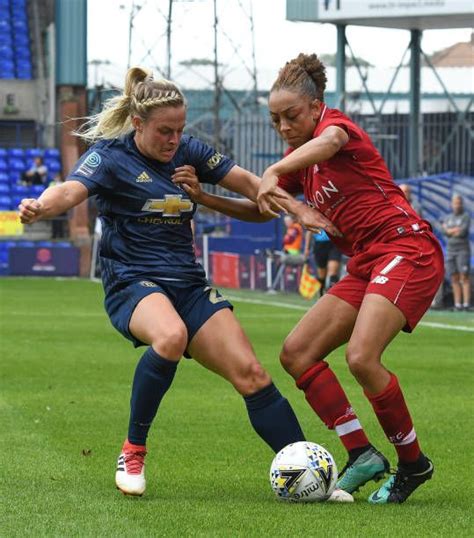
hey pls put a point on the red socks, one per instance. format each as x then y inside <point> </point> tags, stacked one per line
<point>394,417</point>
<point>329,401</point>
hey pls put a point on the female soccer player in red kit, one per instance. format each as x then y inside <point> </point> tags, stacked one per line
<point>395,269</point>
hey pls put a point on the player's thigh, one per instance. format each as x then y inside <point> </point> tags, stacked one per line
<point>324,328</point>
<point>378,322</point>
<point>222,346</point>
<point>156,322</point>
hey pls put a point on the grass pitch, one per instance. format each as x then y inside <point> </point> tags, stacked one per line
<point>65,378</point>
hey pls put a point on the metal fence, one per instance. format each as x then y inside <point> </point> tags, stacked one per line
<point>446,141</point>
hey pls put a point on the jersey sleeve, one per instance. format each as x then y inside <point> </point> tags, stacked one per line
<point>354,132</point>
<point>291,183</point>
<point>211,166</point>
<point>93,171</point>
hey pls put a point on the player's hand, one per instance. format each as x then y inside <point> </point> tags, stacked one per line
<point>30,210</point>
<point>185,176</point>
<point>269,196</point>
<point>314,221</point>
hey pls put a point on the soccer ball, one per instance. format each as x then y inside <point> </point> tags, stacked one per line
<point>303,472</point>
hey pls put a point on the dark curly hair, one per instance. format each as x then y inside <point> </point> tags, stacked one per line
<point>305,74</point>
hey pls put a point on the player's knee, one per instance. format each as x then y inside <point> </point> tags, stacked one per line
<point>289,353</point>
<point>360,361</point>
<point>173,344</point>
<point>251,378</point>
<point>295,355</point>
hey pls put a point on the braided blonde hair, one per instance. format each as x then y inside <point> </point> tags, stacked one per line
<point>140,96</point>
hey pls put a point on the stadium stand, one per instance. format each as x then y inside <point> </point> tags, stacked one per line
<point>14,161</point>
<point>15,52</point>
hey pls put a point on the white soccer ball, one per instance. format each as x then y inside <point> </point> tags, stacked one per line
<point>303,472</point>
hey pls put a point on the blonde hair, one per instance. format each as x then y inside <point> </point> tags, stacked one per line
<point>140,97</point>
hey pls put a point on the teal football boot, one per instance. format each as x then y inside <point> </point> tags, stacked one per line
<point>401,485</point>
<point>370,465</point>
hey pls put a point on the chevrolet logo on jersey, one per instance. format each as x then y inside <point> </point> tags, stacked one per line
<point>172,205</point>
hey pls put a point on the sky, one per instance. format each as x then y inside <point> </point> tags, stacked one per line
<point>276,40</point>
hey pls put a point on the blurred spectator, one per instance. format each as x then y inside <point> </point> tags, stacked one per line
<point>37,174</point>
<point>458,254</point>
<point>293,238</point>
<point>327,258</point>
<point>407,192</point>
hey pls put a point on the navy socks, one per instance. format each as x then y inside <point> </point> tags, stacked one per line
<point>270,414</point>
<point>273,418</point>
<point>153,377</point>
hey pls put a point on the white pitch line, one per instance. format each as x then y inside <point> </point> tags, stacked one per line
<point>432,324</point>
<point>437,325</point>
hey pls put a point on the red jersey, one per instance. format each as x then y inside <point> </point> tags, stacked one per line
<point>354,189</point>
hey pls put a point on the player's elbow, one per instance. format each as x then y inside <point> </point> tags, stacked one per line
<point>336,141</point>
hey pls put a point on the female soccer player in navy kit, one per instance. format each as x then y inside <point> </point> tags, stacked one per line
<point>395,269</point>
<point>156,293</point>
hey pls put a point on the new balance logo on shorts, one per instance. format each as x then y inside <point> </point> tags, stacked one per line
<point>383,279</point>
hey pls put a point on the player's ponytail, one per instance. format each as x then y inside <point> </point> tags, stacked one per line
<point>140,96</point>
<point>305,74</point>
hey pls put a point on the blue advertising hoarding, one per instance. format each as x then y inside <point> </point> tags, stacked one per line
<point>44,261</point>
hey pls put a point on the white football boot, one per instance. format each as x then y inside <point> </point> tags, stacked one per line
<point>340,496</point>
<point>130,473</point>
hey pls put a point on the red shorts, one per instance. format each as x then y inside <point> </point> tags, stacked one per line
<point>407,270</point>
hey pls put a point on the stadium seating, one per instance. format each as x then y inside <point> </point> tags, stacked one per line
<point>13,162</point>
<point>15,54</point>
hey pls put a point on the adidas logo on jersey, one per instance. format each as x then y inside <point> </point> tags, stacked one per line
<point>143,178</point>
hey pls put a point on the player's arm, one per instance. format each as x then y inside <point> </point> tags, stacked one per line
<point>244,182</point>
<point>316,150</point>
<point>52,202</point>
<point>242,209</point>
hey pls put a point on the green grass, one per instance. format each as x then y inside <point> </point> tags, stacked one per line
<point>65,377</point>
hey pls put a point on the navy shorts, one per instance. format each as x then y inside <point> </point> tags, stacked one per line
<point>325,251</point>
<point>195,302</point>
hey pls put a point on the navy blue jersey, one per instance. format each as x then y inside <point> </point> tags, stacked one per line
<point>146,218</point>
